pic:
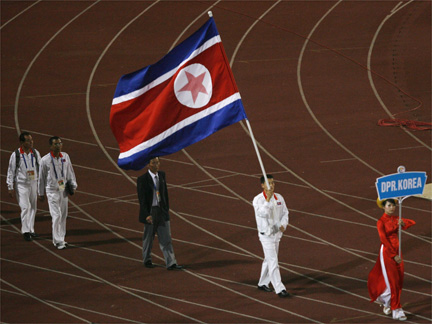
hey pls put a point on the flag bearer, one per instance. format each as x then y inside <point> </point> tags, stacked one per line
<point>271,215</point>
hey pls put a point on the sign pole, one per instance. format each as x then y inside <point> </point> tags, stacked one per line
<point>400,227</point>
<point>401,169</point>
<point>401,199</point>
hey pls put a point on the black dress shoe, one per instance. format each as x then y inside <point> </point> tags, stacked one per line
<point>284,294</point>
<point>33,234</point>
<point>149,264</point>
<point>265,288</point>
<point>27,236</point>
<point>175,267</point>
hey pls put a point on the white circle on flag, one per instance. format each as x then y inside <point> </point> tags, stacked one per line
<point>193,86</point>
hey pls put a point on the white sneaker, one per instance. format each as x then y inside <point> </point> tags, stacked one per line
<point>61,246</point>
<point>387,310</point>
<point>398,314</point>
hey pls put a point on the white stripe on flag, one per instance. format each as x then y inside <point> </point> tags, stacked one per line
<point>185,122</point>
<point>132,95</point>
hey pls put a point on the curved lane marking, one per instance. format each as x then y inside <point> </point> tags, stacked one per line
<point>19,14</point>
<point>369,58</point>
<point>36,57</point>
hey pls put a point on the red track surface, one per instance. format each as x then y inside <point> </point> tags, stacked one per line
<point>313,109</point>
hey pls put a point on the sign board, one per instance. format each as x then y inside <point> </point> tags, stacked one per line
<point>401,185</point>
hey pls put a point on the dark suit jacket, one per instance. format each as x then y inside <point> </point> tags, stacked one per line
<point>145,188</point>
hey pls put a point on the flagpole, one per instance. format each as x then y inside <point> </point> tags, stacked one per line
<point>253,138</point>
<point>257,152</point>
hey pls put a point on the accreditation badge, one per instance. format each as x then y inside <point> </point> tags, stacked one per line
<point>158,196</point>
<point>61,185</point>
<point>31,175</point>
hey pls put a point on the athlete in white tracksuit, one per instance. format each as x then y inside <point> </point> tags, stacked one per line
<point>23,180</point>
<point>271,215</point>
<point>55,171</point>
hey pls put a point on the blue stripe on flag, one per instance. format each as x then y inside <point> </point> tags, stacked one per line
<point>191,134</point>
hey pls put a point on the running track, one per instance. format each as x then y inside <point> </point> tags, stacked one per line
<point>315,77</point>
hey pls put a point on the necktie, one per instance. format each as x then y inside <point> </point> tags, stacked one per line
<point>157,182</point>
<point>158,198</point>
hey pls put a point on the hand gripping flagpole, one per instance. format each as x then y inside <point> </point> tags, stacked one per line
<point>253,139</point>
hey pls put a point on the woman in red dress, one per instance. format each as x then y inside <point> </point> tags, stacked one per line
<point>386,278</point>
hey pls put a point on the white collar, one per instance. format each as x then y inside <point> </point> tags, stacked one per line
<point>153,175</point>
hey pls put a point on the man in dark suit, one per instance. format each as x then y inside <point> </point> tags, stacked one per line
<point>154,213</point>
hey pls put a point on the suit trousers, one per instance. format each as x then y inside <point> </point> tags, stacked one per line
<point>270,266</point>
<point>27,200</point>
<point>163,231</point>
<point>58,206</point>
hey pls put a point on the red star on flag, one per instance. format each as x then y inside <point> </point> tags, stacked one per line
<point>195,85</point>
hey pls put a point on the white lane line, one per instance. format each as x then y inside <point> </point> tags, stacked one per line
<point>19,14</point>
<point>37,56</point>
<point>405,148</point>
<point>75,307</point>
<point>43,301</point>
<point>406,261</point>
<point>340,160</point>
<point>397,6</point>
<point>63,138</point>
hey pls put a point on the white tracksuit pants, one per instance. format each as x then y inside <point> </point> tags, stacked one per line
<point>27,200</point>
<point>58,206</point>
<point>270,266</point>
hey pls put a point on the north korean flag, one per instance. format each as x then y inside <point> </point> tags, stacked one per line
<point>183,98</point>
